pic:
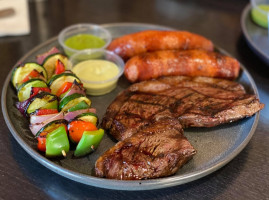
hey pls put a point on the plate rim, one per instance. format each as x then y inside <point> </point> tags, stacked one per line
<point>121,184</point>
<point>252,44</point>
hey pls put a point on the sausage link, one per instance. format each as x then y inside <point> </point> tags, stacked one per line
<point>186,63</point>
<point>153,40</point>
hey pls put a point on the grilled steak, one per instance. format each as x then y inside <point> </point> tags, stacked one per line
<point>157,150</point>
<point>148,118</point>
<point>195,102</point>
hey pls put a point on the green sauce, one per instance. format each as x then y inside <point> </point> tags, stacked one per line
<point>259,17</point>
<point>84,41</point>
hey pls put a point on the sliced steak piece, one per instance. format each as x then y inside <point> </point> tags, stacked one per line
<point>195,102</point>
<point>157,150</point>
<point>211,112</point>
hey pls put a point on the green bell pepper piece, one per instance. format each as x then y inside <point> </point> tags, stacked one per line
<point>57,143</point>
<point>89,142</point>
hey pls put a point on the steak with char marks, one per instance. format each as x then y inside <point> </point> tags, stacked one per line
<point>157,150</point>
<point>148,118</point>
<point>195,102</point>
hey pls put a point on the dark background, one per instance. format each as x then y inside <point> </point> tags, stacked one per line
<point>245,177</point>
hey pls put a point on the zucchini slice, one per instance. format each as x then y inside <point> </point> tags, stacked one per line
<point>81,105</point>
<point>24,91</point>
<point>88,117</point>
<point>72,100</point>
<point>52,126</point>
<point>42,100</point>
<point>58,80</point>
<point>20,72</point>
<point>50,61</point>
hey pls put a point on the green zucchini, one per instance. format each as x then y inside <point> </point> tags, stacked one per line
<point>21,71</point>
<point>72,100</point>
<point>50,61</point>
<point>58,80</point>
<point>88,117</point>
<point>24,91</point>
<point>81,105</point>
<point>42,100</point>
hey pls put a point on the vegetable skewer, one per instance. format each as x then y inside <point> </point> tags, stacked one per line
<point>54,99</point>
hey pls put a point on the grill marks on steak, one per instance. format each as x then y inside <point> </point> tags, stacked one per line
<point>148,117</point>
<point>134,112</point>
<point>141,109</point>
<point>196,102</point>
<point>157,150</point>
<point>127,124</point>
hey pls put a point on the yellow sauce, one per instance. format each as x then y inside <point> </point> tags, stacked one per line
<point>99,71</point>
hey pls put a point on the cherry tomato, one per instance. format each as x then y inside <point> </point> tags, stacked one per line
<point>76,129</point>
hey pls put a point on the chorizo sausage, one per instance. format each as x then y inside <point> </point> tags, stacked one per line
<point>185,62</point>
<point>153,40</point>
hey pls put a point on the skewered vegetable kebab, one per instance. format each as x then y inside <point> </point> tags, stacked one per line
<point>41,100</point>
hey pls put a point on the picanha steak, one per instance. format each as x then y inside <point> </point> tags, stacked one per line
<point>193,102</point>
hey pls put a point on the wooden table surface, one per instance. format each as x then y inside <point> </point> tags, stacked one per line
<point>245,177</point>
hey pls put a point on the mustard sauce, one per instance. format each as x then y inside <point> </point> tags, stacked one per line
<point>96,75</point>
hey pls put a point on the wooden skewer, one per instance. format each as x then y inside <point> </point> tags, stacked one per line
<point>63,152</point>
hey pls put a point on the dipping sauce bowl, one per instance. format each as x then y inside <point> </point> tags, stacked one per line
<point>83,36</point>
<point>99,70</point>
<point>260,12</point>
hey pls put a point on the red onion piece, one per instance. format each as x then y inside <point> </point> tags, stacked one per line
<point>75,88</point>
<point>71,115</point>
<point>22,106</point>
<point>34,119</point>
<point>40,58</point>
<point>37,126</point>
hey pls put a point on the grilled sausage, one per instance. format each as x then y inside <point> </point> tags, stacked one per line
<point>187,63</point>
<point>153,40</point>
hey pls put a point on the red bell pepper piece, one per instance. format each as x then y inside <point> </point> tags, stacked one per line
<point>46,111</point>
<point>59,67</point>
<point>36,90</point>
<point>41,142</point>
<point>32,74</point>
<point>66,86</point>
<point>76,129</point>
